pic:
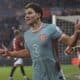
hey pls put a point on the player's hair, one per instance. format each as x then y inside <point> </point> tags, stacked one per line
<point>16,32</point>
<point>36,7</point>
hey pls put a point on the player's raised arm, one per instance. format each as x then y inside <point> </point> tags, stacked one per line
<point>74,37</point>
<point>71,40</point>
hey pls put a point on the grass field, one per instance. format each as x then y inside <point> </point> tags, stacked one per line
<point>71,72</point>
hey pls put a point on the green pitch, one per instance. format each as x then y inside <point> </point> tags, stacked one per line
<point>5,71</point>
<point>71,72</point>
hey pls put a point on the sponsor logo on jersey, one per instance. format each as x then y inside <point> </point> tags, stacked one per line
<point>42,37</point>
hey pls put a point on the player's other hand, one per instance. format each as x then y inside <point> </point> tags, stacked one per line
<point>68,50</point>
<point>5,54</point>
<point>2,51</point>
<point>77,26</point>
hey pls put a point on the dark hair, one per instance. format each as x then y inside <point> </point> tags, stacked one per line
<point>16,32</point>
<point>36,7</point>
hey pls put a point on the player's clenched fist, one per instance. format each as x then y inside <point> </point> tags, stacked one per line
<point>77,26</point>
<point>68,50</point>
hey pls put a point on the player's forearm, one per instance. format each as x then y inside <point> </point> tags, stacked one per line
<point>74,38</point>
<point>20,53</point>
<point>69,40</point>
<point>69,48</point>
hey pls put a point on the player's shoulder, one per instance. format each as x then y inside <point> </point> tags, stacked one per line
<point>27,31</point>
<point>50,27</point>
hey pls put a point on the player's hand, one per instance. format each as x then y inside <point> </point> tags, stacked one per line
<point>6,54</point>
<point>77,26</point>
<point>68,50</point>
<point>2,51</point>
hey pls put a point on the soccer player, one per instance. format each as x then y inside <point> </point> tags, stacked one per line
<point>17,44</point>
<point>38,43</point>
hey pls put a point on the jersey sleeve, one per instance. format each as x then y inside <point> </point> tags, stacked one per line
<point>56,32</point>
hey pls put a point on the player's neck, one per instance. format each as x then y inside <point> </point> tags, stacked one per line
<point>37,26</point>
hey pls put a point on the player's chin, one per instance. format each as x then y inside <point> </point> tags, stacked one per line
<point>28,22</point>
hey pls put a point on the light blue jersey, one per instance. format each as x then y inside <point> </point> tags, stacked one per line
<point>40,47</point>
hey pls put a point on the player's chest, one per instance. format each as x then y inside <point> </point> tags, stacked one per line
<point>37,38</point>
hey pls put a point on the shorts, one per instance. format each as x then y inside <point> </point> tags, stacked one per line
<point>18,61</point>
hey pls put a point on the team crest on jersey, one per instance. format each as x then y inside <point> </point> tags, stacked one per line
<point>42,37</point>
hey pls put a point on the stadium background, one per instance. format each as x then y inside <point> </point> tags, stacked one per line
<point>11,15</point>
